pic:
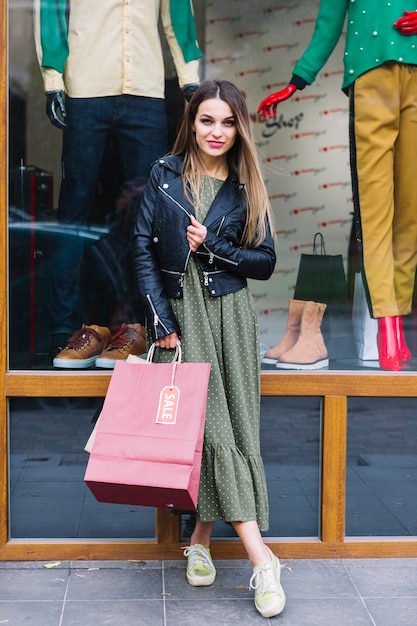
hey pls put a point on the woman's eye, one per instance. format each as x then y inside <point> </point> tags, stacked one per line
<point>229,123</point>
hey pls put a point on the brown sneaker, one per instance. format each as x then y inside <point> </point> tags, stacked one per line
<point>129,339</point>
<point>83,347</point>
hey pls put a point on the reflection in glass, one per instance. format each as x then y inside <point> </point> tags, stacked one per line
<point>48,496</point>
<point>381,486</point>
<point>39,244</point>
<point>290,445</point>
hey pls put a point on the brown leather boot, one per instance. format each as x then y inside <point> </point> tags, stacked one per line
<point>295,311</point>
<point>309,352</point>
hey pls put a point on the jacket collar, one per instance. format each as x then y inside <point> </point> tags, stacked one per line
<point>224,201</point>
<point>175,163</point>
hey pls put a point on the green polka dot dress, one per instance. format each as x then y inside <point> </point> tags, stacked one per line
<point>224,331</point>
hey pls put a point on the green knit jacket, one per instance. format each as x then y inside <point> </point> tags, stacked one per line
<point>371,38</point>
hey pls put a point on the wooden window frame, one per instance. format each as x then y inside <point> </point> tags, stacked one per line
<point>333,387</point>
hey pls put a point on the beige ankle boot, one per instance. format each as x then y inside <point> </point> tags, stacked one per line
<point>295,311</point>
<point>310,352</point>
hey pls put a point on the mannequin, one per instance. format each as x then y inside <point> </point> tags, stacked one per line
<point>380,78</point>
<point>102,69</point>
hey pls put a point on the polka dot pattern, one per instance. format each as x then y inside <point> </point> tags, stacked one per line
<point>224,331</point>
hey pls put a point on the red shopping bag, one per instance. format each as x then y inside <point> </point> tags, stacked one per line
<point>149,437</point>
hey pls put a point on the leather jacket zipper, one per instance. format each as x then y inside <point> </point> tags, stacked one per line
<point>156,319</point>
<point>174,201</point>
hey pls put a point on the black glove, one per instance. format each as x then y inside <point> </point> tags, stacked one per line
<point>55,108</point>
<point>189,90</point>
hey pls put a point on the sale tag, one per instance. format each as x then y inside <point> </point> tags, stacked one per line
<point>168,405</point>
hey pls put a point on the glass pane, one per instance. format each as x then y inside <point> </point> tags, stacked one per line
<point>48,289</point>
<point>381,486</point>
<point>48,496</point>
<point>305,164</point>
<point>290,445</point>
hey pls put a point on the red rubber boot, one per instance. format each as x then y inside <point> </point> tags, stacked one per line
<point>405,352</point>
<point>389,354</point>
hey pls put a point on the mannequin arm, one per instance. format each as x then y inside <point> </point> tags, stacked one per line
<point>55,108</point>
<point>268,106</point>
<point>407,24</point>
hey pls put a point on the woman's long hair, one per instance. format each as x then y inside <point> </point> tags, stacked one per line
<point>242,158</point>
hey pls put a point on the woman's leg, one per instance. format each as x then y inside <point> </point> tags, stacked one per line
<point>202,533</point>
<point>253,542</point>
<point>269,595</point>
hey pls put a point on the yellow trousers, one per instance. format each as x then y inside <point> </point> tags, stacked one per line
<point>383,140</point>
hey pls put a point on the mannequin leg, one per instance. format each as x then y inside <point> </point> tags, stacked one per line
<point>389,354</point>
<point>83,145</point>
<point>404,350</point>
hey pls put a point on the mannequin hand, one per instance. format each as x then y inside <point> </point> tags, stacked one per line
<point>55,108</point>
<point>407,24</point>
<point>196,233</point>
<point>189,90</point>
<point>272,101</point>
<point>167,342</point>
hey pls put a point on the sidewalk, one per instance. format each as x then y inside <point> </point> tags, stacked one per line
<point>346,592</point>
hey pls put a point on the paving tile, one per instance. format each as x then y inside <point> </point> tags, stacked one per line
<point>384,578</point>
<point>136,564</point>
<point>231,582</point>
<point>316,579</point>
<point>206,613</point>
<point>30,585</point>
<point>325,612</point>
<point>114,613</point>
<point>114,584</point>
<point>398,611</point>
<point>30,613</point>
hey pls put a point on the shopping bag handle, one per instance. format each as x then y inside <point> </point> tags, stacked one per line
<point>177,358</point>
<point>321,244</point>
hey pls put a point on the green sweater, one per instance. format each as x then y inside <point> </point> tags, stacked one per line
<point>371,38</point>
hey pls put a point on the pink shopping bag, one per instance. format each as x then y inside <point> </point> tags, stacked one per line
<point>148,441</point>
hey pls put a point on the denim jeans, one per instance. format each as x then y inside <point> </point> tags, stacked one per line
<point>139,124</point>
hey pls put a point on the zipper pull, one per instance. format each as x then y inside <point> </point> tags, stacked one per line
<point>211,257</point>
<point>206,280</point>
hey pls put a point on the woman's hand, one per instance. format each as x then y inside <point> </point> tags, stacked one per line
<point>196,234</point>
<point>167,342</point>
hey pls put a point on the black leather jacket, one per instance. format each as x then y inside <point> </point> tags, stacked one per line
<point>161,250</point>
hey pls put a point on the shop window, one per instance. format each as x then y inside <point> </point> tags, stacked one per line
<point>48,496</point>
<point>290,446</point>
<point>381,481</point>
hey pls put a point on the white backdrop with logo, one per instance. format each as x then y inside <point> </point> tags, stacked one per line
<point>304,150</point>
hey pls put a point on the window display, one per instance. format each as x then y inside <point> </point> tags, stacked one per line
<point>102,68</point>
<point>304,153</point>
<point>380,77</point>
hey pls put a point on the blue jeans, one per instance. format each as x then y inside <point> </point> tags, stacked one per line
<point>141,129</point>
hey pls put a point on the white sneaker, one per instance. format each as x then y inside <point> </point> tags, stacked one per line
<point>200,569</point>
<point>269,595</point>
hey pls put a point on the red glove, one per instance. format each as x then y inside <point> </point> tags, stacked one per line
<point>407,25</point>
<point>268,107</point>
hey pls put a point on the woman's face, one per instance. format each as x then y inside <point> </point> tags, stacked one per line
<point>215,128</point>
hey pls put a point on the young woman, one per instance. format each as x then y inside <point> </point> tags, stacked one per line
<point>204,226</point>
